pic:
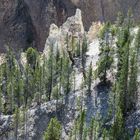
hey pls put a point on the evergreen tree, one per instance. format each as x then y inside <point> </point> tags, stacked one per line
<point>38,81</point>
<point>78,49</point>
<point>81,125</point>
<point>89,78</point>
<point>123,50</point>
<point>137,41</point>
<point>68,83</point>
<point>50,72</point>
<point>16,123</point>
<point>31,57</point>
<point>28,85</point>
<point>18,88</point>
<point>66,77</point>
<point>117,131</point>
<point>85,133</point>
<point>84,46</point>
<point>132,86</point>
<point>105,57</point>
<point>74,81</point>
<point>53,131</point>
<point>75,132</point>
<point>60,74</point>
<point>137,135</point>
<point>73,46</point>
<point>83,53</point>
<point>104,134</point>
<point>1,103</point>
<point>91,129</point>
<point>9,77</point>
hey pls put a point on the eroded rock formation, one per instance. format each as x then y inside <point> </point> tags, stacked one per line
<point>72,28</point>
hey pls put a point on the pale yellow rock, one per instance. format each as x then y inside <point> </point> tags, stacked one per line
<point>93,31</point>
<point>72,28</point>
<point>2,58</point>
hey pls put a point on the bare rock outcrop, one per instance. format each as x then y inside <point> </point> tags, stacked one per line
<point>37,119</point>
<point>6,127</point>
<point>25,23</point>
<point>73,27</point>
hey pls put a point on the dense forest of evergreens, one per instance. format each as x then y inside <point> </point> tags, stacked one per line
<point>52,77</point>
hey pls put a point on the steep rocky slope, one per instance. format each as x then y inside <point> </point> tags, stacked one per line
<point>67,109</point>
<point>25,23</point>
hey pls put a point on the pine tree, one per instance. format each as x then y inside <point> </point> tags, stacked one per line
<point>73,46</point>
<point>9,77</point>
<point>1,103</point>
<point>123,46</point>
<point>132,86</point>
<point>53,131</point>
<point>38,81</point>
<point>89,78</point>
<point>81,125</point>
<point>83,53</point>
<point>31,57</point>
<point>16,123</point>
<point>137,41</point>
<point>28,84</point>
<point>74,81</point>
<point>60,74</point>
<point>123,80</point>
<point>66,76</point>
<point>75,130</point>
<point>91,129</point>
<point>84,46</point>
<point>25,123</point>
<point>50,72</point>
<point>117,130</point>
<point>18,88</point>
<point>137,135</point>
<point>78,49</point>
<point>85,133</point>
<point>104,134</point>
<point>105,57</point>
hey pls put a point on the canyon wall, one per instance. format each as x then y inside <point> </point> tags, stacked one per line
<point>25,23</point>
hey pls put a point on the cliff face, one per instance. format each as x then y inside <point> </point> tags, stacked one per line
<point>104,10</point>
<point>25,23</point>
<point>16,27</point>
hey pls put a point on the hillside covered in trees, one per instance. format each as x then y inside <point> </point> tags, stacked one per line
<point>84,86</point>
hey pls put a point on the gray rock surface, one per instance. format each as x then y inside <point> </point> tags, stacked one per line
<point>25,23</point>
<point>38,118</point>
<point>6,127</point>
